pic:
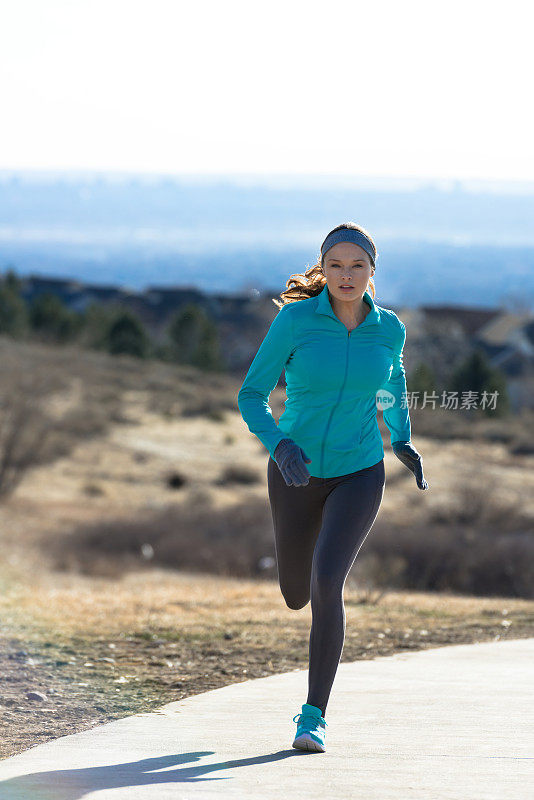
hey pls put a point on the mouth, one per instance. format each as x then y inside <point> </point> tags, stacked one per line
<point>346,288</point>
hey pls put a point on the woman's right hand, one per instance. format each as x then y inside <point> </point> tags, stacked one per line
<point>290,459</point>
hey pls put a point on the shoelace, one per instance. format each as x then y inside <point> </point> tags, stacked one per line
<point>306,716</point>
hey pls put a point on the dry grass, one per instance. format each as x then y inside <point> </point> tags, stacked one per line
<point>192,605</point>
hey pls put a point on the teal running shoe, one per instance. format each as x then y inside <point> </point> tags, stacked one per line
<point>311,729</point>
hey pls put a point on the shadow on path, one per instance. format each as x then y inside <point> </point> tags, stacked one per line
<point>70,784</point>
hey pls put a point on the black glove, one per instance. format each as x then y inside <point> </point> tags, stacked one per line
<point>406,452</point>
<point>290,459</point>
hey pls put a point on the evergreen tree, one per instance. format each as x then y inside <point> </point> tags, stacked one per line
<point>184,333</point>
<point>97,319</point>
<point>52,320</point>
<point>14,320</point>
<point>476,374</point>
<point>207,354</point>
<point>12,281</point>
<point>422,379</point>
<point>193,339</point>
<point>127,334</point>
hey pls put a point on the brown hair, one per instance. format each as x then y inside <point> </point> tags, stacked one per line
<point>312,281</point>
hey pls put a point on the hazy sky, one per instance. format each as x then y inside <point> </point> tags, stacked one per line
<point>380,88</point>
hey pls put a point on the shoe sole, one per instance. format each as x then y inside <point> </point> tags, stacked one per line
<point>305,742</point>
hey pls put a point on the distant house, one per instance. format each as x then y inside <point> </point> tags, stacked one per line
<point>470,320</point>
<point>508,340</point>
<point>442,335</point>
<point>509,330</point>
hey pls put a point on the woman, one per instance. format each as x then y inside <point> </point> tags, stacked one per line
<point>342,356</point>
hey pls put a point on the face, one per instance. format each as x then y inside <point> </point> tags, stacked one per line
<point>347,264</point>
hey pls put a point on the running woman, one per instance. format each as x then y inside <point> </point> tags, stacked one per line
<point>342,356</point>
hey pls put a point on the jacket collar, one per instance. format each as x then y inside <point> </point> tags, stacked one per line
<point>325,307</point>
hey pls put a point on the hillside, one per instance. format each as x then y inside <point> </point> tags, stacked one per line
<point>127,435</point>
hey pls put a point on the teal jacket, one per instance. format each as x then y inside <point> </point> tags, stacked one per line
<point>336,380</point>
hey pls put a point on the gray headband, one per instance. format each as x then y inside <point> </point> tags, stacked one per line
<point>349,235</point>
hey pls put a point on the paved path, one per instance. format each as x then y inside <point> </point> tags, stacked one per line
<point>450,722</point>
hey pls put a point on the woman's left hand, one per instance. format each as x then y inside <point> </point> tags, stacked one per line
<point>406,452</point>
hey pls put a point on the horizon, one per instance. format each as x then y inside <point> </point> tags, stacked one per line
<point>242,292</point>
<point>369,182</point>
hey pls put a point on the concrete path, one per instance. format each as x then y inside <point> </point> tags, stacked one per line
<point>450,722</point>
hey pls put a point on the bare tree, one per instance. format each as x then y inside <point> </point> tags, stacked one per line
<point>24,428</point>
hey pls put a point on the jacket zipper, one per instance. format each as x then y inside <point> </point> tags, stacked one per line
<point>338,399</point>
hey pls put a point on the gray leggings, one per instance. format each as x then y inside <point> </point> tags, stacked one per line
<point>319,529</point>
